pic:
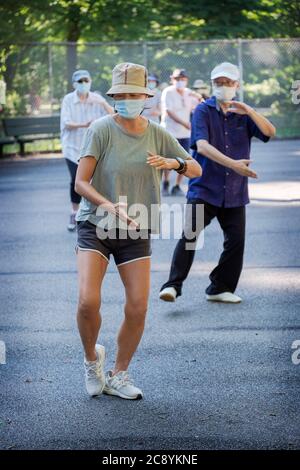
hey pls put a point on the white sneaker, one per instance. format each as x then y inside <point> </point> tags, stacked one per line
<point>94,373</point>
<point>226,297</point>
<point>168,294</point>
<point>121,385</point>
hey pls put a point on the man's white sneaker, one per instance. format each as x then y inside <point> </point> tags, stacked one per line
<point>168,294</point>
<point>94,373</point>
<point>121,385</point>
<point>226,297</point>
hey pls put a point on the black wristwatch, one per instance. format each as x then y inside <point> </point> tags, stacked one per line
<point>183,165</point>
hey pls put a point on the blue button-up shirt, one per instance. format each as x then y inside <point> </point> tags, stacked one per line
<point>231,134</point>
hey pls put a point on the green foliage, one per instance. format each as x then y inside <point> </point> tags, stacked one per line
<point>116,20</point>
<point>268,70</point>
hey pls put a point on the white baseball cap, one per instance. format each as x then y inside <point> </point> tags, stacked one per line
<point>226,69</point>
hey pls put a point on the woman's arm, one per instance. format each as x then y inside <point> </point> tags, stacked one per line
<point>193,170</point>
<point>83,187</point>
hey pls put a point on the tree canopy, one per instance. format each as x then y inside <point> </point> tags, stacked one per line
<point>41,73</point>
<point>138,20</point>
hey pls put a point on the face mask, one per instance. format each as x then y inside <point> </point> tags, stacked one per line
<point>224,93</point>
<point>152,85</point>
<point>83,88</point>
<point>129,109</point>
<point>180,84</point>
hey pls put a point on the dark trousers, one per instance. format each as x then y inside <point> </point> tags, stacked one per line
<point>75,198</point>
<point>225,276</point>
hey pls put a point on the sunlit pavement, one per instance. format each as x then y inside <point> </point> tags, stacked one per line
<point>214,376</point>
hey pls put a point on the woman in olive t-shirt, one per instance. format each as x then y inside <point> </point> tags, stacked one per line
<point>132,255</point>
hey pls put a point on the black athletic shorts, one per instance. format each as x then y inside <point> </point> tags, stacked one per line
<point>123,250</point>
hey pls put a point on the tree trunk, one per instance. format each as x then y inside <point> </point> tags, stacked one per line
<point>73,34</point>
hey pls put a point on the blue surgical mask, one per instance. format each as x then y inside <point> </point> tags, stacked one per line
<point>129,109</point>
<point>83,88</point>
<point>151,85</point>
<point>180,84</point>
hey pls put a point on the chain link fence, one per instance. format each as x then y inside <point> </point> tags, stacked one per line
<point>38,75</point>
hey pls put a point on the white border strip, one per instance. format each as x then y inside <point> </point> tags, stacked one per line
<point>131,261</point>
<point>90,249</point>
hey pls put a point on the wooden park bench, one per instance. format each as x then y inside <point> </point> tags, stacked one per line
<point>22,130</point>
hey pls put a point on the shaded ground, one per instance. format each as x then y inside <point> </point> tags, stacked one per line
<point>214,376</point>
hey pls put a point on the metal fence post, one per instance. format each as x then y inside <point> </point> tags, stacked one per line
<point>145,54</point>
<point>240,64</point>
<point>50,75</point>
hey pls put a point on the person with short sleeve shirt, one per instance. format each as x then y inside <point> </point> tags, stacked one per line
<point>78,110</point>
<point>222,129</point>
<point>152,106</point>
<point>119,174</point>
<point>177,104</point>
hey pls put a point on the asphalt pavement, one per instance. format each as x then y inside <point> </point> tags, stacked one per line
<point>214,376</point>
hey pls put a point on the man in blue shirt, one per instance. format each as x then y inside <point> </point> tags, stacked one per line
<point>221,136</point>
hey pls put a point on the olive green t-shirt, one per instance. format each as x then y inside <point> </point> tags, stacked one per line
<point>122,173</point>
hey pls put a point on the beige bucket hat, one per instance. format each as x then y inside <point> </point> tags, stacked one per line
<point>129,78</point>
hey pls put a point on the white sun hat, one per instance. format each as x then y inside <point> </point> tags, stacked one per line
<point>226,69</point>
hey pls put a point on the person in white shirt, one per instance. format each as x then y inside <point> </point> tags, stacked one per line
<point>152,108</point>
<point>2,94</point>
<point>79,108</point>
<point>176,105</point>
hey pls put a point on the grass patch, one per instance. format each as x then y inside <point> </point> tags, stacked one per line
<point>38,146</point>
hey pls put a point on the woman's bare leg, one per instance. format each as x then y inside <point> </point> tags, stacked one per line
<point>91,270</point>
<point>136,279</point>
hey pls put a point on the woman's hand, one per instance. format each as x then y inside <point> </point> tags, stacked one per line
<point>120,210</point>
<point>162,163</point>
